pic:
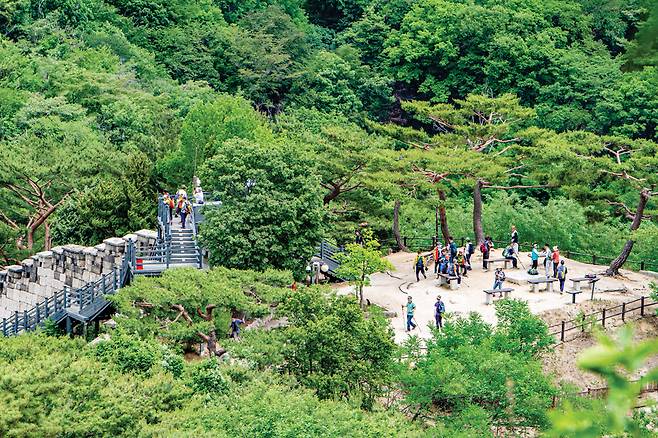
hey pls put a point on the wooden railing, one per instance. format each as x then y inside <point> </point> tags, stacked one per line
<point>565,331</point>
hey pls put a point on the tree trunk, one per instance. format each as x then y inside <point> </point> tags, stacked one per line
<point>333,194</point>
<point>211,342</point>
<point>443,218</point>
<point>477,213</point>
<point>30,238</point>
<point>47,242</point>
<point>396,227</point>
<point>617,263</point>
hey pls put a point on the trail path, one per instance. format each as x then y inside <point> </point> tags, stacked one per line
<point>391,293</point>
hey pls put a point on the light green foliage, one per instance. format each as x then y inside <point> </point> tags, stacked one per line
<point>358,262</point>
<point>334,349</point>
<point>275,223</point>
<point>205,128</point>
<point>474,369</point>
<point>615,361</point>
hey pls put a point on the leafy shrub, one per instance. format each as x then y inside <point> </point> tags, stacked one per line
<point>129,354</point>
<point>206,377</point>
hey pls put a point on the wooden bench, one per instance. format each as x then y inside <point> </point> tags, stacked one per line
<point>573,295</point>
<point>535,282</point>
<point>491,292</point>
<point>492,262</point>
<point>449,280</point>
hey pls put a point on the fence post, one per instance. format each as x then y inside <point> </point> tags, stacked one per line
<point>562,332</point>
<point>80,298</point>
<point>603,319</point>
<point>642,306</point>
<point>593,259</point>
<point>404,241</point>
<point>38,315</point>
<point>623,311</point>
<point>25,321</point>
<point>4,327</point>
<point>16,322</point>
<point>45,307</point>
<point>462,242</point>
<point>642,265</point>
<point>434,240</point>
<point>66,299</point>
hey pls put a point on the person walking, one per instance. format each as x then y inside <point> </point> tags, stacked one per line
<point>555,257</point>
<point>439,310</point>
<point>469,250</point>
<point>453,249</point>
<point>534,256</point>
<point>235,327</point>
<point>499,278</point>
<point>411,307</point>
<point>170,204</point>
<point>419,264</point>
<point>548,259</point>
<point>185,209</point>
<point>562,275</point>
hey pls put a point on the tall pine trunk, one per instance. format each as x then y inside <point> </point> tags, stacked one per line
<point>396,226</point>
<point>442,216</point>
<point>477,213</point>
<point>617,263</point>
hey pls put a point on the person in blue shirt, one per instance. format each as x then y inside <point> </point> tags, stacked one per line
<point>453,249</point>
<point>534,256</point>
<point>235,327</point>
<point>411,307</point>
<point>439,310</point>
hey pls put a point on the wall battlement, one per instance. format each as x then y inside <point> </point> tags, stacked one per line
<point>42,275</point>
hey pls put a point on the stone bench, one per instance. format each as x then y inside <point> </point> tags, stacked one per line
<point>492,262</point>
<point>573,295</point>
<point>577,280</point>
<point>492,292</point>
<point>449,280</point>
<point>535,282</point>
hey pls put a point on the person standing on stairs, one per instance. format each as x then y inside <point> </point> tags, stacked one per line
<point>169,202</point>
<point>185,209</point>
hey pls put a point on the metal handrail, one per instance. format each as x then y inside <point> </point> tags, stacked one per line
<point>62,301</point>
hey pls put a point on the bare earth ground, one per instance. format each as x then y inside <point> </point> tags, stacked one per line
<point>390,291</point>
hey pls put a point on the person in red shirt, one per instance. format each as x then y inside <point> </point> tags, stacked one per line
<point>556,260</point>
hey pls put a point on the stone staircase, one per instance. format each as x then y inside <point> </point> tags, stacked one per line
<point>183,247</point>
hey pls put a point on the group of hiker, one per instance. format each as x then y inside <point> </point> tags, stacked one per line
<point>449,260</point>
<point>178,204</point>
<point>456,262</point>
<point>439,310</point>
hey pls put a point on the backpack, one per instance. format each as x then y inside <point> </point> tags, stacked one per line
<point>506,252</point>
<point>532,271</point>
<point>483,247</point>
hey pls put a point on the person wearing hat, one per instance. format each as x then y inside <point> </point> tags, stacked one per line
<point>534,256</point>
<point>439,310</point>
<point>469,250</point>
<point>556,260</point>
<point>411,307</point>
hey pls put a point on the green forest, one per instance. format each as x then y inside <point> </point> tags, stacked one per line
<point>343,113</point>
<point>406,118</point>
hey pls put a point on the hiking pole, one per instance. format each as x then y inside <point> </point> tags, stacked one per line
<point>519,260</point>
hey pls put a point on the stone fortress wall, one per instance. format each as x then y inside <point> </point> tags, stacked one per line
<point>42,275</point>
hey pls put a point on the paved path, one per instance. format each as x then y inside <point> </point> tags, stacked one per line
<point>391,293</point>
